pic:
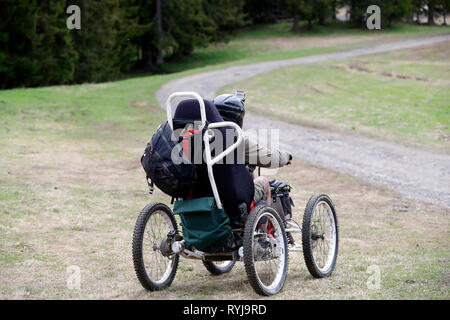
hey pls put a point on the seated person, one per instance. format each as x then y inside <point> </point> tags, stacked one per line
<point>234,183</point>
<point>231,108</point>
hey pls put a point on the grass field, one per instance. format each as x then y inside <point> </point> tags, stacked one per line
<point>71,187</point>
<point>401,95</point>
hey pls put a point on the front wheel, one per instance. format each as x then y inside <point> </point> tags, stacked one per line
<point>265,251</point>
<point>320,236</point>
<point>154,269</point>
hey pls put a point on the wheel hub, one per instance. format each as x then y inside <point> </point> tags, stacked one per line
<point>263,248</point>
<point>166,247</point>
<point>317,236</point>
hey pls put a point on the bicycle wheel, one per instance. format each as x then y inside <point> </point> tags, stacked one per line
<point>219,267</point>
<point>154,270</point>
<point>320,236</point>
<point>265,251</point>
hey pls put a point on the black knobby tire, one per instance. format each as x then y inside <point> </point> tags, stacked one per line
<point>253,221</point>
<point>216,269</point>
<point>310,232</point>
<point>138,256</point>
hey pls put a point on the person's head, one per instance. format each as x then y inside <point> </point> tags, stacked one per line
<point>231,107</point>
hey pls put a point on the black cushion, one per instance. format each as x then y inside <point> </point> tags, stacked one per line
<point>234,183</point>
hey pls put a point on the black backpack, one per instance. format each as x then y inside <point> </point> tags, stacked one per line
<point>173,179</point>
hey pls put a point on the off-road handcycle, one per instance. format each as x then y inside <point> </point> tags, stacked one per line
<point>263,243</point>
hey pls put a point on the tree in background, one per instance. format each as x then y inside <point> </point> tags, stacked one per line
<point>187,27</point>
<point>323,9</point>
<point>299,10</point>
<point>17,31</point>
<point>394,10</point>
<point>173,28</point>
<point>445,9</point>
<point>144,37</point>
<point>52,47</point>
<point>103,42</point>
<point>435,8</point>
<point>227,16</point>
<point>308,10</point>
<point>431,4</point>
<point>335,4</point>
<point>261,11</point>
<point>418,9</point>
<point>430,8</point>
<point>36,48</point>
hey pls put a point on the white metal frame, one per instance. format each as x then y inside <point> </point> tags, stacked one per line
<point>185,95</point>
<point>209,160</point>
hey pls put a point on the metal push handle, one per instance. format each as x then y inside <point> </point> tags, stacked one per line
<point>185,95</point>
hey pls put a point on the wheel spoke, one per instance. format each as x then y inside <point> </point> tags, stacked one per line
<point>268,259</point>
<point>157,266</point>
<point>322,233</point>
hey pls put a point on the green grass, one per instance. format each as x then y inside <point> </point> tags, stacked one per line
<point>402,95</point>
<point>82,105</point>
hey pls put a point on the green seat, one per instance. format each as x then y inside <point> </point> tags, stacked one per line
<point>204,225</point>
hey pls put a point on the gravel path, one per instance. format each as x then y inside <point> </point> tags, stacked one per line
<point>412,172</point>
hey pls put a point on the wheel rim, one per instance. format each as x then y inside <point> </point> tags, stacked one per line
<point>269,264</point>
<point>157,267</point>
<point>323,236</point>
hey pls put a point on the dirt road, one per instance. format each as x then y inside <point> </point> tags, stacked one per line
<point>414,173</point>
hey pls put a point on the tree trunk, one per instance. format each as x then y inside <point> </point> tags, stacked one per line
<point>159,33</point>
<point>333,9</point>
<point>352,11</point>
<point>147,63</point>
<point>296,25</point>
<point>418,15</point>
<point>431,12</point>
<point>321,20</point>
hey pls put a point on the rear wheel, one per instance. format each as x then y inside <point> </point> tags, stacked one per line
<point>265,251</point>
<point>320,236</point>
<point>219,267</point>
<point>154,270</point>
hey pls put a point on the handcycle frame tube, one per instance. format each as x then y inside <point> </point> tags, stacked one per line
<point>294,230</point>
<point>185,95</point>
